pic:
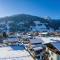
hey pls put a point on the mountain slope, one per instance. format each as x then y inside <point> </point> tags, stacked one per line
<point>23,22</point>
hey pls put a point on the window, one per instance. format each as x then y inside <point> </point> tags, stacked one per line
<point>51,53</point>
<point>51,58</point>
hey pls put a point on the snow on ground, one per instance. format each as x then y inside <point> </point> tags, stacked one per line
<point>14,53</point>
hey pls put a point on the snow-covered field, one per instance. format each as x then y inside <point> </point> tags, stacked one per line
<point>14,53</point>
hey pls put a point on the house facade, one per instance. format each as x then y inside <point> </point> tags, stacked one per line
<point>53,50</point>
<point>36,48</point>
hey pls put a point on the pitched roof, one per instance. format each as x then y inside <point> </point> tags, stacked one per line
<point>56,45</point>
<point>37,48</point>
<point>35,41</point>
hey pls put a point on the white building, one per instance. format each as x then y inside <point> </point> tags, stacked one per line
<point>53,50</point>
<point>52,45</point>
<point>36,48</point>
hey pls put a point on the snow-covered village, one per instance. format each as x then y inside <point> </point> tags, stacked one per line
<point>29,30</point>
<point>30,46</point>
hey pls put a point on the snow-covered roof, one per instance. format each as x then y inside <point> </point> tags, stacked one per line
<point>34,41</point>
<point>48,39</point>
<point>56,45</point>
<point>37,48</point>
<point>11,40</point>
<point>36,45</point>
<point>43,33</point>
